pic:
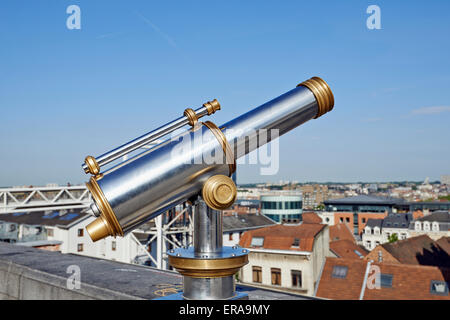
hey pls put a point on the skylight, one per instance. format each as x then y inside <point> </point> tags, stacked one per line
<point>296,242</point>
<point>439,287</point>
<point>339,272</point>
<point>257,241</point>
<point>386,280</point>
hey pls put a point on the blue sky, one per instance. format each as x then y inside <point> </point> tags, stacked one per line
<point>135,65</point>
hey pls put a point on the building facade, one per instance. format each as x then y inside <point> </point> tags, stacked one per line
<point>286,257</point>
<point>282,206</point>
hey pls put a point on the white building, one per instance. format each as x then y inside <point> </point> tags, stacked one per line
<point>435,225</point>
<point>69,229</point>
<point>378,231</point>
<point>286,257</point>
<point>235,225</point>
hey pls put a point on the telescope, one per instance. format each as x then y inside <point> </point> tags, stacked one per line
<point>194,167</point>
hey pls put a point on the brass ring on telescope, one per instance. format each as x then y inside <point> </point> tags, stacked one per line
<point>225,145</point>
<point>322,93</point>
<point>212,106</point>
<point>192,116</point>
<point>208,268</point>
<point>92,166</point>
<point>107,223</point>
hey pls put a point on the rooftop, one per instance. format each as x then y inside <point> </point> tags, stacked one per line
<point>420,250</point>
<point>347,249</point>
<point>284,237</point>
<point>365,199</point>
<point>39,274</point>
<point>245,222</point>
<point>348,279</point>
<point>54,218</point>
<point>341,231</point>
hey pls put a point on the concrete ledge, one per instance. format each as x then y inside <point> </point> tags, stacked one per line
<point>29,273</point>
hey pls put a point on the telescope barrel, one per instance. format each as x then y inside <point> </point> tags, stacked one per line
<point>149,184</point>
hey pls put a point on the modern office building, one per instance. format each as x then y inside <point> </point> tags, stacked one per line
<point>282,206</point>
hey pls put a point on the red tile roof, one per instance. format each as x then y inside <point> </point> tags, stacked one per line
<point>409,282</point>
<point>311,217</point>
<point>420,250</point>
<point>347,249</point>
<point>341,231</point>
<point>281,237</point>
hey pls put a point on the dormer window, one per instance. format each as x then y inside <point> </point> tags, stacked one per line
<point>417,226</point>
<point>368,230</point>
<point>296,243</point>
<point>426,226</point>
<point>257,242</point>
<point>439,287</point>
<point>376,230</point>
<point>435,226</point>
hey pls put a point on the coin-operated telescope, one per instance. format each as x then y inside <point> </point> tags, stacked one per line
<point>180,170</point>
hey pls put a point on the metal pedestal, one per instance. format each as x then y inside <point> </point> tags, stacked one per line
<point>208,267</point>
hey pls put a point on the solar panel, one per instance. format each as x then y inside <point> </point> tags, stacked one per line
<point>69,216</point>
<point>16,214</point>
<point>51,215</point>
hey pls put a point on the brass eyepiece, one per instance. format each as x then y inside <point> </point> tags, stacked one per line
<point>219,192</point>
<point>212,106</point>
<point>323,94</point>
<point>106,224</point>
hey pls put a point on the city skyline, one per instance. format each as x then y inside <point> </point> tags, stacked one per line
<point>134,66</point>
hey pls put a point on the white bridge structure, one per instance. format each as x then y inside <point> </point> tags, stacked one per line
<point>168,231</point>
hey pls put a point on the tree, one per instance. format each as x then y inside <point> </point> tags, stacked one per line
<point>392,238</point>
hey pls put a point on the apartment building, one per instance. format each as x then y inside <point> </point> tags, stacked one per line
<point>287,257</point>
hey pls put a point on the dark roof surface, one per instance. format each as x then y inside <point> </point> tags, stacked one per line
<point>55,218</point>
<point>439,216</point>
<point>365,199</point>
<point>421,250</point>
<point>374,223</point>
<point>245,222</point>
<point>123,278</point>
<point>397,220</point>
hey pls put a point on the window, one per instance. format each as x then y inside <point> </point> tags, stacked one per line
<point>257,241</point>
<point>386,280</point>
<point>417,226</point>
<point>257,274</point>
<point>80,232</point>
<point>341,219</point>
<point>435,226</point>
<point>439,287</point>
<point>276,276</point>
<point>80,247</point>
<point>339,272</point>
<point>113,246</point>
<point>363,220</point>
<point>296,243</point>
<point>347,220</point>
<point>426,226</point>
<point>230,236</point>
<point>50,232</point>
<point>296,278</point>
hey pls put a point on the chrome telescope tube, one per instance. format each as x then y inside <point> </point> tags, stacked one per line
<point>147,185</point>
